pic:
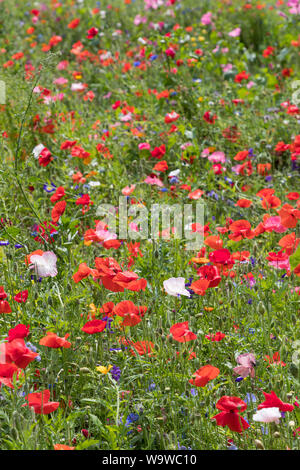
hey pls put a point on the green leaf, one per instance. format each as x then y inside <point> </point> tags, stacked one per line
<point>86,444</point>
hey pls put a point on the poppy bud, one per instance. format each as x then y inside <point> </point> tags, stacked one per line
<point>85,433</point>
<point>84,370</point>
<point>259,444</point>
<point>261,308</point>
<point>276,434</point>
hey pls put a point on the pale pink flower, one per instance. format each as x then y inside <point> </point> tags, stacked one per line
<point>247,362</point>
<point>217,157</point>
<point>206,19</point>
<point>153,180</point>
<point>45,264</point>
<point>235,33</point>
<point>128,190</point>
<point>273,224</point>
<point>60,81</point>
<point>144,146</point>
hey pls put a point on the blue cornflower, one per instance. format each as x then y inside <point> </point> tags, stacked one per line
<point>151,387</point>
<point>131,419</point>
<point>115,373</point>
<point>239,379</point>
<point>174,180</point>
<point>49,188</point>
<point>250,398</point>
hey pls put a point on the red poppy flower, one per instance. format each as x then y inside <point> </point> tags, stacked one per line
<point>74,23</point>
<point>45,157</point>
<point>4,305</point>
<point>244,203</point>
<point>222,256</point>
<point>58,210</point>
<point>274,360</point>
<point>161,166</point>
<point>289,243</point>
<point>158,152</point>
<point>171,117</point>
<point>241,76</point>
<point>83,272</point>
<point>107,309</point>
<point>16,351</point>
<point>21,297</point>
<point>270,202</point>
<point>209,118</point>
<point>272,400</point>
<point>211,274</point>
<point>62,447</point>
<point>240,229</point>
<point>107,244</point>
<point>94,326</point>
<point>289,216</point>
<point>195,194</point>
<point>19,331</point>
<point>293,196</point>
<point>216,337</point>
<point>142,348</point>
<point>203,375</point>
<point>39,401</point>
<point>200,286</point>
<point>214,242</point>
<point>230,407</point>
<point>240,156</point>
<point>7,371</point>
<point>129,312</point>
<point>181,332</point>
<point>51,340</point>
<point>92,33</point>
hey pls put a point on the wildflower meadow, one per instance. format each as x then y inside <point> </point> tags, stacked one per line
<point>149,226</point>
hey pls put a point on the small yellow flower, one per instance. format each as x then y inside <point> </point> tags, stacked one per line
<point>201,38</point>
<point>93,309</point>
<point>200,98</point>
<point>103,370</point>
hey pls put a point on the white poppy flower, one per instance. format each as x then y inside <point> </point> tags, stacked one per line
<point>175,286</point>
<point>267,415</point>
<point>37,150</point>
